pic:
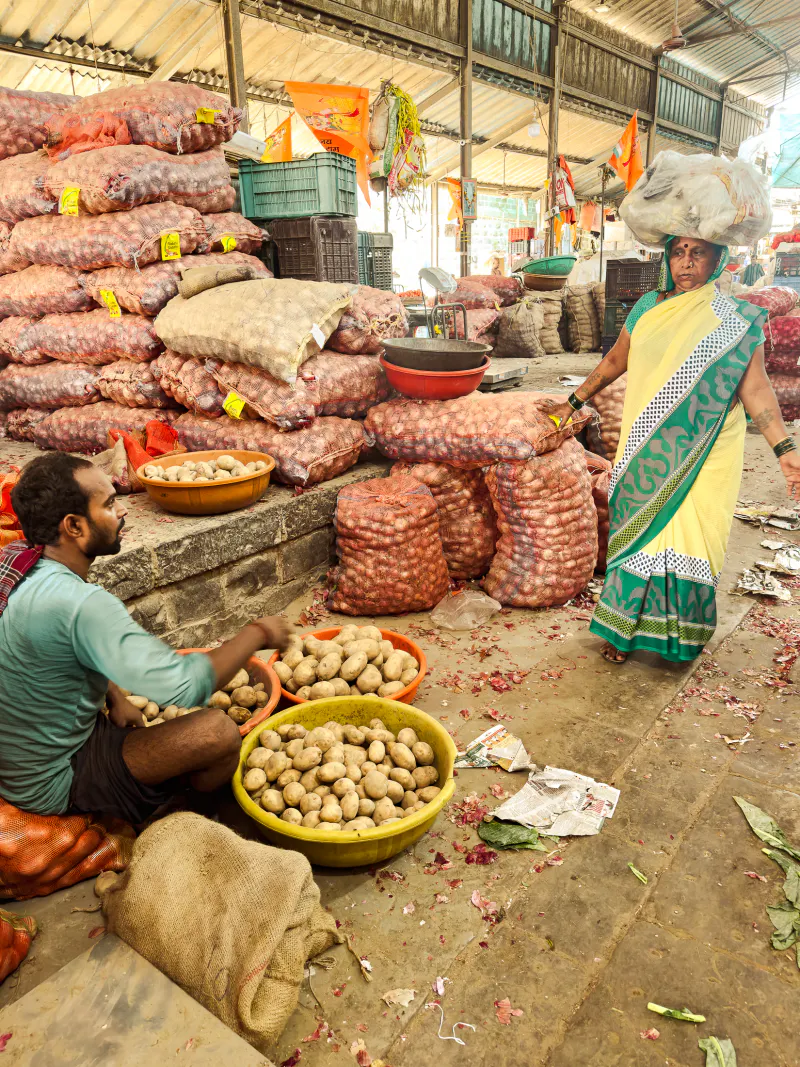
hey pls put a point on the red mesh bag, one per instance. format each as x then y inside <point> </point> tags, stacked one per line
<point>467,523</point>
<point>303,457</point>
<point>11,330</point>
<point>22,187</point>
<point>390,552</point>
<point>603,435</point>
<point>229,231</point>
<point>163,115</point>
<point>21,422</point>
<point>122,239</point>
<point>187,381</point>
<point>372,316</point>
<point>783,340</point>
<point>16,934</point>
<point>91,337</point>
<point>126,176</point>
<point>133,384</point>
<point>52,385</point>
<point>148,290</point>
<point>777,299</point>
<point>42,853</point>
<point>787,390</point>
<point>600,473</point>
<point>506,290</point>
<point>43,291</point>
<point>482,326</point>
<point>548,529</point>
<point>472,431</point>
<point>86,429</point>
<point>9,261</point>
<point>784,363</point>
<point>473,298</point>
<point>23,118</point>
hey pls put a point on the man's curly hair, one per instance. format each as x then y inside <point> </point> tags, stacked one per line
<point>46,492</point>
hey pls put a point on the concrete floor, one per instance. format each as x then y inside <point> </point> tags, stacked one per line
<point>583,945</point>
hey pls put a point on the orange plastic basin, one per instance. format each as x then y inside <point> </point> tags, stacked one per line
<point>259,671</point>
<point>208,498</point>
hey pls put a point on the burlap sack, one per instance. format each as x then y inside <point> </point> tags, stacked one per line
<point>272,323</point>
<point>599,297</point>
<point>552,308</point>
<point>196,280</point>
<point>519,330</point>
<point>583,324</point>
<point>232,922</point>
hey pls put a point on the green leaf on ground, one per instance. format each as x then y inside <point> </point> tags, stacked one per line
<point>765,827</point>
<point>642,877</point>
<point>500,834</point>
<point>791,886</point>
<point>785,917</point>
<point>719,1051</point>
<point>684,1014</point>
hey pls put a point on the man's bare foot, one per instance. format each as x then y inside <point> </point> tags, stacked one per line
<point>613,655</point>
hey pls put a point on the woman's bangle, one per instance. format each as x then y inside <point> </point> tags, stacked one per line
<point>784,446</point>
<point>575,401</point>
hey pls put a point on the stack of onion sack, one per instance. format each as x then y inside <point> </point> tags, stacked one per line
<point>548,529</point>
<point>467,522</point>
<point>584,326</point>
<point>602,433</point>
<point>782,360</point>
<point>507,291</point>
<point>600,472</point>
<point>390,551</point>
<point>373,316</point>
<point>23,118</point>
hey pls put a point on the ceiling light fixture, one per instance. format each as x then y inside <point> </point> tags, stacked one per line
<point>603,9</point>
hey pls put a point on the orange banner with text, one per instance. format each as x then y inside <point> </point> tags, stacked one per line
<point>279,144</point>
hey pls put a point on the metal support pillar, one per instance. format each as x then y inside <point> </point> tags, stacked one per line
<point>653,105</point>
<point>231,20</point>
<point>604,178</point>
<point>465,124</point>
<point>552,123</point>
<point>720,123</point>
<point>434,189</point>
<point>386,209</point>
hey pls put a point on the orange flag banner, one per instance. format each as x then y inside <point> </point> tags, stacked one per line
<point>338,116</point>
<point>454,189</point>
<point>626,159</point>
<point>279,144</point>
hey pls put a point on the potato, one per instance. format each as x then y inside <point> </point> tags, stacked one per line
<point>335,754</point>
<point>320,738</point>
<point>304,692</point>
<point>342,786</point>
<point>330,812</point>
<point>367,766</point>
<point>334,826</point>
<point>379,734</point>
<point>366,806</point>
<point>311,820</point>
<point>307,758</point>
<point>369,680</point>
<point>402,756</point>
<point>393,667</point>
<point>254,779</point>
<point>423,753</point>
<point>259,757</point>
<point>225,462</point>
<point>384,768</point>
<point>262,698</point>
<point>240,678</point>
<point>353,666</point>
<point>354,754</point>
<point>293,641</point>
<point>293,816</point>
<point>398,774</point>
<point>293,658</point>
<point>353,773</point>
<point>407,737</point>
<point>292,686</point>
<point>329,666</point>
<point>377,724</point>
<point>310,802</point>
<point>427,794</point>
<point>409,799</point>
<point>361,823</point>
<point>387,649</point>
<point>272,800</point>
<point>340,686</point>
<point>277,765</point>
<point>239,715</point>
<point>409,662</point>
<point>360,793</point>
<point>349,805</point>
<point>322,791</point>
<point>322,691</point>
<point>353,736</point>
<point>309,780</point>
<point>169,713</point>
<point>384,809</point>
<point>376,752</point>
<point>354,691</point>
<point>305,673</point>
<point>220,700</point>
<point>312,643</point>
<point>295,731</point>
<point>345,635</point>
<point>337,730</point>
<point>371,633</point>
<point>283,731</point>
<point>328,773</point>
<point>294,748</point>
<point>371,649</point>
<point>284,779</point>
<point>328,648</point>
<point>293,793</point>
<point>424,776</point>
<point>408,676</point>
<point>150,710</point>
<point>376,785</point>
<point>244,696</point>
<point>395,792</point>
<point>377,662</point>
<point>390,689</point>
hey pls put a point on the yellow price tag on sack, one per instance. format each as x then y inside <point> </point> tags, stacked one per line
<point>171,245</point>
<point>110,301</point>
<point>228,242</point>
<point>207,114</point>
<point>233,405</point>
<point>68,201</point>
<point>556,419</point>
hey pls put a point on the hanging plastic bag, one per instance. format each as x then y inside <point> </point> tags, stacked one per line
<point>464,609</point>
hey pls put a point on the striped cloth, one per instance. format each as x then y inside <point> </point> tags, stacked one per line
<point>16,560</point>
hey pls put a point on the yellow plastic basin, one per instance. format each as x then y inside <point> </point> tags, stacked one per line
<point>360,847</point>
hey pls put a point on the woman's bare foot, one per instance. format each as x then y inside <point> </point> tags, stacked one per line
<point>613,655</point>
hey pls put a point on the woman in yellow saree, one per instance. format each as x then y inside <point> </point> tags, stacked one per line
<point>695,364</point>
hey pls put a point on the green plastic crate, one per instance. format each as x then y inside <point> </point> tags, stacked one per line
<point>375,260</point>
<point>616,313</point>
<point>323,184</point>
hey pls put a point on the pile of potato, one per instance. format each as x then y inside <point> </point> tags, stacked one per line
<point>357,662</point>
<point>339,777</point>
<point>241,698</point>
<point>213,470</point>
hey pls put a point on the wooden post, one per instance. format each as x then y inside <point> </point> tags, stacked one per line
<point>604,179</point>
<point>465,124</point>
<point>233,57</point>
<point>653,106</point>
<point>552,124</point>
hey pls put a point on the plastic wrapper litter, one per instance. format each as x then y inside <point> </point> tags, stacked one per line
<point>9,261</point>
<point>148,290</point>
<point>702,196</point>
<point>120,239</point>
<point>373,316</point>
<point>548,529</point>
<point>21,422</point>
<point>506,290</point>
<point>11,329</point>
<point>275,324</point>
<point>86,429</point>
<point>303,457</point>
<point>519,328</point>
<point>162,114</point>
<point>23,117</point>
<point>133,384</point>
<point>600,473</point>
<point>91,337</point>
<point>53,385</point>
<point>389,548</point>
<point>777,299</point>
<point>229,231</point>
<point>43,291</point>
<point>471,431</point>
<point>187,381</point>
<point>126,176</point>
<point>602,433</point>
<point>584,328</point>
<point>467,523</point>
<point>22,189</point>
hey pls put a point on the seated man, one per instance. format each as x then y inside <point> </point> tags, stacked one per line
<point>66,646</point>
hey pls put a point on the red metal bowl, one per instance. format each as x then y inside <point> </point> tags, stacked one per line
<point>434,385</point>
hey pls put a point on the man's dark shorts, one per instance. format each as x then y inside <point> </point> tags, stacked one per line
<point>102,783</point>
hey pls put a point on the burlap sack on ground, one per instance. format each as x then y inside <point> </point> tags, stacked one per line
<point>600,473</point>
<point>126,176</point>
<point>303,457</point>
<point>23,118</point>
<point>373,316</point>
<point>229,231</point>
<point>147,291</point>
<point>389,548</point>
<point>583,325</point>
<point>276,324</point>
<point>134,385</point>
<point>187,381</point>
<point>599,297</point>
<point>43,291</point>
<point>22,189</point>
<point>519,330</point>
<point>548,529</point>
<point>90,337</point>
<point>86,429</point>
<point>232,922</point>
<point>9,260</point>
<point>52,385</point>
<point>467,524</point>
<point>552,308</point>
<point>602,434</point>
<point>21,422</point>
<point>507,290</point>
